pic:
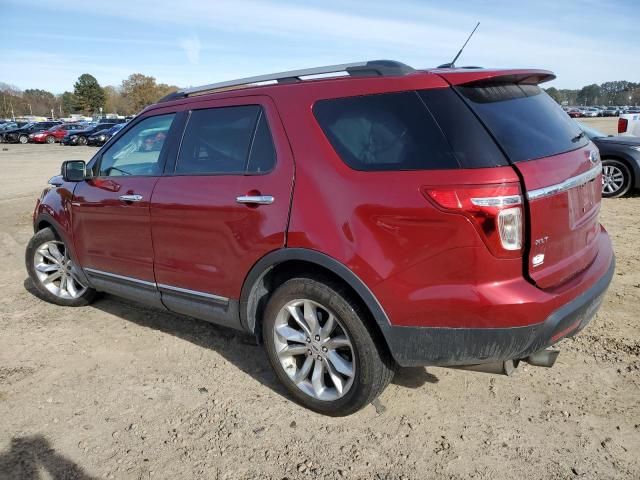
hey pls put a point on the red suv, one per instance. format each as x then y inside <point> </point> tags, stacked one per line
<point>384,216</point>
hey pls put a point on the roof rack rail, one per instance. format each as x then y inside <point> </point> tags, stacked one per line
<point>370,68</point>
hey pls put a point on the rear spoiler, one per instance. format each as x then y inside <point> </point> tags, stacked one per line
<point>479,76</point>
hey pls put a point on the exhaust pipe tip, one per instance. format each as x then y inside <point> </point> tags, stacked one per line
<point>497,368</point>
<point>544,358</point>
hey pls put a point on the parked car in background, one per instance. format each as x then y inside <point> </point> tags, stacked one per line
<point>629,124</point>
<point>610,112</point>
<point>101,137</point>
<point>21,135</point>
<point>620,161</point>
<point>11,126</point>
<point>55,134</point>
<point>590,112</point>
<point>451,266</point>
<point>574,113</point>
<point>81,137</point>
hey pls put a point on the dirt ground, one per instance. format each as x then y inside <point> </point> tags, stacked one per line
<point>117,390</point>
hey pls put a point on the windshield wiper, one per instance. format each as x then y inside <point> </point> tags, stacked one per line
<point>577,137</point>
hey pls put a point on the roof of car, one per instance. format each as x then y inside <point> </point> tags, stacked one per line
<point>371,69</point>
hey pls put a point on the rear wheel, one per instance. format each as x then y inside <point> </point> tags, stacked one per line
<point>23,139</point>
<point>320,348</point>
<point>51,139</point>
<point>53,273</point>
<point>616,178</point>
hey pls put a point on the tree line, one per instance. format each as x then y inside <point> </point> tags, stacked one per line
<point>138,90</point>
<point>87,98</point>
<point>619,92</point>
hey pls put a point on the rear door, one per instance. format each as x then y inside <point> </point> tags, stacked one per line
<point>222,204</point>
<point>560,169</point>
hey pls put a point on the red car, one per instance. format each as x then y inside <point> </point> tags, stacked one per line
<point>54,134</point>
<point>385,216</point>
<point>574,113</point>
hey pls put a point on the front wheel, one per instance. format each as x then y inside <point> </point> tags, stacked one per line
<point>53,273</point>
<point>51,139</point>
<point>616,178</point>
<point>320,348</point>
<point>82,140</point>
<point>23,139</point>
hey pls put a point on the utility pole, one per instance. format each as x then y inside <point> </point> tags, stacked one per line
<point>30,110</point>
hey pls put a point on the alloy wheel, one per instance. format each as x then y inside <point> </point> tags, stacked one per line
<point>314,349</point>
<point>23,139</point>
<point>612,179</point>
<point>56,271</point>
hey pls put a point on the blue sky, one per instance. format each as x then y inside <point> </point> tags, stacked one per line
<point>191,42</point>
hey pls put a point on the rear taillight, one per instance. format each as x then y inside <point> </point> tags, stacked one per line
<point>495,211</point>
<point>622,125</point>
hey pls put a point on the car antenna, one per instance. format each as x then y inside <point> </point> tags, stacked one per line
<point>453,62</point>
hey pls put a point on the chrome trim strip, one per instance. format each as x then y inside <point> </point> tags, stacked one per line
<point>566,185</point>
<point>193,292</point>
<point>120,277</point>
<point>501,201</point>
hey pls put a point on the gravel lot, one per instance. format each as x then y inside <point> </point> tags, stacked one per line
<point>117,390</point>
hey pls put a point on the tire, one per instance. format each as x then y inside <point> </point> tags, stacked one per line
<point>82,140</point>
<point>47,256</point>
<point>50,139</point>
<point>370,366</point>
<point>23,139</point>
<point>616,178</point>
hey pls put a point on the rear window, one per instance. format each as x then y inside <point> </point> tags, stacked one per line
<point>525,121</point>
<point>426,130</point>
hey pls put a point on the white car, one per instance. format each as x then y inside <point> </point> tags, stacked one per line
<point>629,124</point>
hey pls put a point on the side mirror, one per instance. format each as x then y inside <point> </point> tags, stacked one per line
<point>74,170</point>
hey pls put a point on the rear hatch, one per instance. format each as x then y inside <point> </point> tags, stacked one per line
<point>558,165</point>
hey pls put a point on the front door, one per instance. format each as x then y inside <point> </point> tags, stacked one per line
<point>222,204</point>
<point>111,224</point>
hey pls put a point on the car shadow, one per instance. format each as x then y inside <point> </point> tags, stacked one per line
<point>239,348</point>
<point>27,457</point>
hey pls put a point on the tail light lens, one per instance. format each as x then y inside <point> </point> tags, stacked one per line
<point>622,125</point>
<point>495,211</point>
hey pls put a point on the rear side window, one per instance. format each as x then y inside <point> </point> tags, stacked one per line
<point>392,131</point>
<point>526,122</point>
<point>226,140</point>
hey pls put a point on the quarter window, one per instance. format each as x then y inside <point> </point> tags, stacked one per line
<point>138,151</point>
<point>384,132</point>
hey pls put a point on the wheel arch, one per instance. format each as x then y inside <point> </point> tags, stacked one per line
<point>278,266</point>
<point>44,220</point>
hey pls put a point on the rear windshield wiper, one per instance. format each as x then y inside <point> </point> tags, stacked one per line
<point>577,137</point>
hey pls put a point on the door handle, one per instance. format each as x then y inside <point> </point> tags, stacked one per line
<point>255,199</point>
<point>131,198</point>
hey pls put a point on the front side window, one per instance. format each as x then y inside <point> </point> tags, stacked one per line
<point>138,151</point>
<point>224,141</point>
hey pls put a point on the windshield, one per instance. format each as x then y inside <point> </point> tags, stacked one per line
<point>591,132</point>
<point>526,122</point>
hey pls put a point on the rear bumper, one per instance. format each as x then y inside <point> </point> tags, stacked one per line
<point>415,346</point>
